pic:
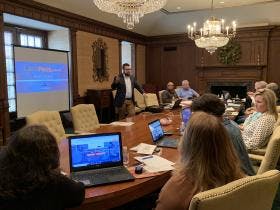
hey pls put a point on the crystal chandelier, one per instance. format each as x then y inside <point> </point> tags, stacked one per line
<point>214,33</point>
<point>130,10</point>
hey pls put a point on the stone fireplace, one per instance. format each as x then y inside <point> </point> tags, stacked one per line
<point>234,88</point>
<point>234,79</point>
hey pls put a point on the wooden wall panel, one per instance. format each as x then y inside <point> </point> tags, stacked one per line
<point>187,68</point>
<point>171,62</point>
<point>189,61</point>
<point>247,57</point>
<point>153,68</point>
<point>274,57</point>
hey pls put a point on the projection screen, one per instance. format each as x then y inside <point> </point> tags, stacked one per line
<point>42,81</point>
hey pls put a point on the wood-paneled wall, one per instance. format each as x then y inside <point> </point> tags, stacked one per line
<point>174,58</point>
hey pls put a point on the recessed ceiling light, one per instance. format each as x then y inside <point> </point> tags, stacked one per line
<point>178,8</point>
<point>222,2</point>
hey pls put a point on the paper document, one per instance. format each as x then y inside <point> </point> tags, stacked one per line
<point>118,123</point>
<point>142,148</point>
<point>154,163</point>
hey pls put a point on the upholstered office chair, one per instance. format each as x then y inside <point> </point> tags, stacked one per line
<point>140,102</point>
<point>160,96</point>
<point>278,109</point>
<point>250,193</point>
<point>151,99</point>
<point>84,118</point>
<point>272,153</point>
<point>51,119</point>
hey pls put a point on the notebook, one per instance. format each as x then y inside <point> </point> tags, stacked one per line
<point>158,136</point>
<point>96,159</point>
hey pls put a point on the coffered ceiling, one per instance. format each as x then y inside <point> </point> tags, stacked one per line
<point>172,19</point>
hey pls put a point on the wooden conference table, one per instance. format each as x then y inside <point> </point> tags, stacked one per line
<point>113,195</point>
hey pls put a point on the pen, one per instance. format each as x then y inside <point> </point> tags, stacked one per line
<point>147,157</point>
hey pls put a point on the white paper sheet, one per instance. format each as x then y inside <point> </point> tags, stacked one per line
<point>154,163</point>
<point>118,123</point>
<point>143,148</point>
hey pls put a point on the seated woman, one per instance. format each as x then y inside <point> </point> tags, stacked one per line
<point>207,160</point>
<point>30,177</point>
<point>259,126</point>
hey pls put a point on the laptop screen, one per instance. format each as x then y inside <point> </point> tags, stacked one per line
<point>95,151</point>
<point>156,130</point>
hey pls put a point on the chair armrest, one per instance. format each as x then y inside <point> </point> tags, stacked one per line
<point>70,134</point>
<point>82,133</point>
<point>258,151</point>
<point>258,158</point>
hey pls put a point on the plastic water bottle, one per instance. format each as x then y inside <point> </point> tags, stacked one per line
<point>186,115</point>
<point>182,128</point>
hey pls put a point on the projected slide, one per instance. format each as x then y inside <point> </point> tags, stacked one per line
<point>34,77</point>
<point>41,80</point>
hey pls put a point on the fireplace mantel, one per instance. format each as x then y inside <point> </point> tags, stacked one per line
<point>229,75</point>
<point>237,67</point>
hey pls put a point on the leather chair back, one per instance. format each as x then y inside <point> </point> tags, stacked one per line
<point>51,119</point>
<point>84,118</point>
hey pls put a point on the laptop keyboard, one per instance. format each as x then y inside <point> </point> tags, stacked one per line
<point>101,176</point>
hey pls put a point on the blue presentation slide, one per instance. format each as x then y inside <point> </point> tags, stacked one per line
<point>32,77</point>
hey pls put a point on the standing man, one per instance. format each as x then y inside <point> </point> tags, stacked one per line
<point>124,99</point>
<point>186,92</point>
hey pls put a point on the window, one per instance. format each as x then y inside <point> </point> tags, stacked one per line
<point>8,37</point>
<point>31,41</point>
<point>23,37</point>
<point>128,54</point>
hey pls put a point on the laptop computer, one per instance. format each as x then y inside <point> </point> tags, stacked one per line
<point>158,136</point>
<point>173,106</point>
<point>96,159</point>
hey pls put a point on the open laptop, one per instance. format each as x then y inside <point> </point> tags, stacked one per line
<point>175,105</point>
<point>96,159</point>
<point>158,136</point>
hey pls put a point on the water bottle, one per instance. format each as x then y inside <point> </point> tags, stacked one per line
<point>186,114</point>
<point>182,128</point>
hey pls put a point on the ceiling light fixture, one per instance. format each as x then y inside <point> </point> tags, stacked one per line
<point>130,10</point>
<point>213,34</point>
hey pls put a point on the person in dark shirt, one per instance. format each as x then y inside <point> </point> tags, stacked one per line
<point>169,94</point>
<point>30,177</point>
<point>211,104</point>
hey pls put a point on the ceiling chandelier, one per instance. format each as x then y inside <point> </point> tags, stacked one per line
<point>130,10</point>
<point>214,33</point>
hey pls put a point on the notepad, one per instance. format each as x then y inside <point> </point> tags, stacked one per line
<point>155,163</point>
<point>143,148</point>
<point>125,124</point>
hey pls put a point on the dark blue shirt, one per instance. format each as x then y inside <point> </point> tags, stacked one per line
<point>240,148</point>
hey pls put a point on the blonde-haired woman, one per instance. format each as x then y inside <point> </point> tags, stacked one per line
<point>207,160</point>
<point>259,126</point>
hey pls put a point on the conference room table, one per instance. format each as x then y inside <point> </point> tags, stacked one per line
<point>114,195</point>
